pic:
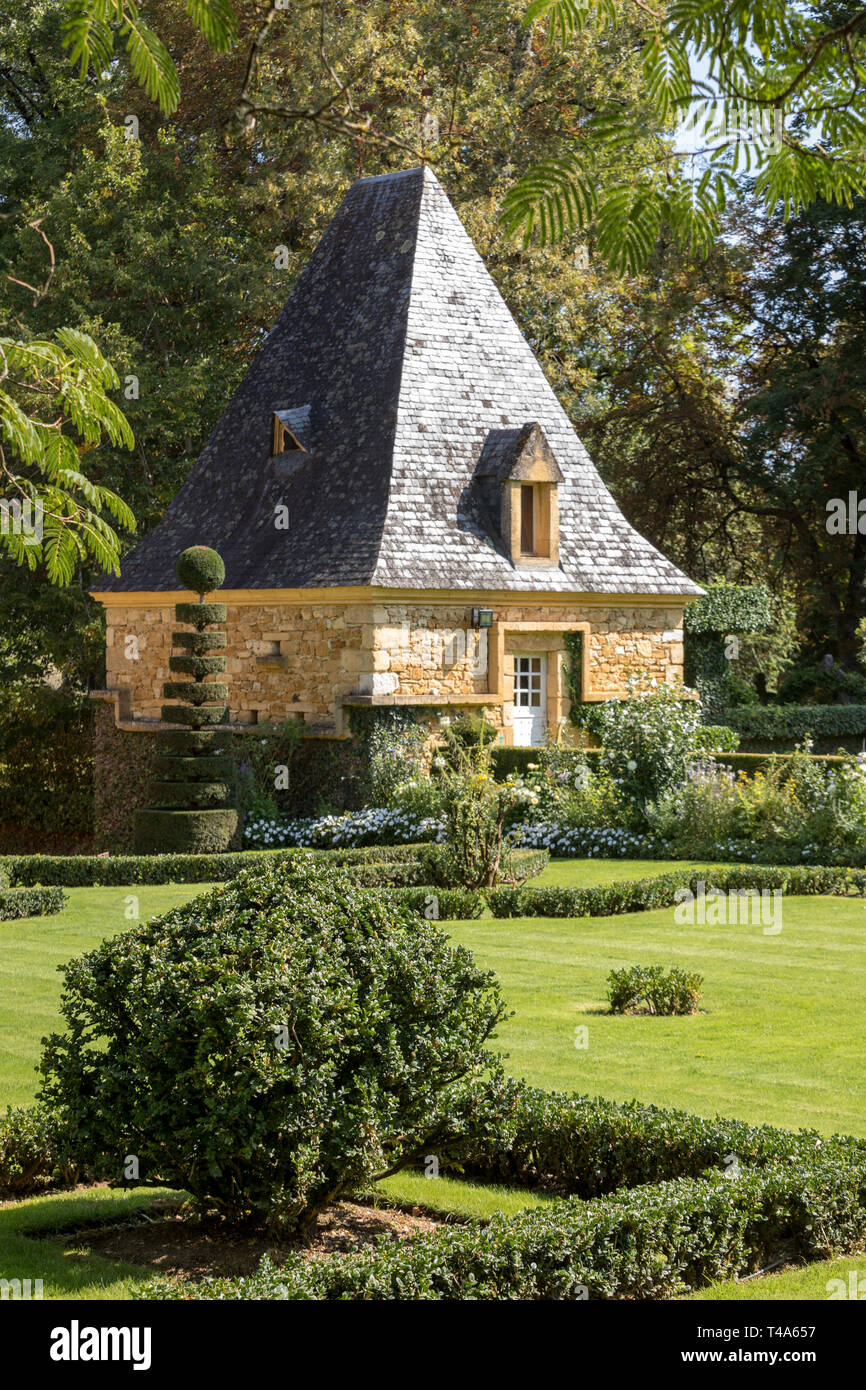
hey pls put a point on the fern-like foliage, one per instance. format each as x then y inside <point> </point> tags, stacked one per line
<point>783,101</point>
<point>92,26</point>
<point>54,408</point>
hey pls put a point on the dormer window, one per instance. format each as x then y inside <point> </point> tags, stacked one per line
<point>290,430</point>
<point>539,517</point>
<point>527,519</point>
<point>519,477</point>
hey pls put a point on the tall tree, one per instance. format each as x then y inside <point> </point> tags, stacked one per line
<point>804,415</point>
<point>731,412</point>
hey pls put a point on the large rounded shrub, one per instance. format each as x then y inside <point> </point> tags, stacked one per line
<point>270,1046</point>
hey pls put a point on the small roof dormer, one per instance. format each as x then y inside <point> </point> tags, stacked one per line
<point>290,430</point>
<point>521,477</point>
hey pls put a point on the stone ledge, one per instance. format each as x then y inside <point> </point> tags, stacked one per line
<point>438,698</point>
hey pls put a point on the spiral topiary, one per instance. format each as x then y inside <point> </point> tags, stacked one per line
<point>192,807</point>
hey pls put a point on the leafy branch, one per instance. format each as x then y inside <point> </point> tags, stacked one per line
<point>784,100</point>
<point>93,26</point>
<point>54,408</point>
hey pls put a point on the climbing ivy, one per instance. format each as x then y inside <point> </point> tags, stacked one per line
<point>729,608</point>
<point>573,671</point>
<point>724,611</point>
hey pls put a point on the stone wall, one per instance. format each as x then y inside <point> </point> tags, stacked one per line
<point>283,660</point>
<point>304,660</point>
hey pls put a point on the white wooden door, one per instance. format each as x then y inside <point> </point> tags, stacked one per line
<point>530,700</point>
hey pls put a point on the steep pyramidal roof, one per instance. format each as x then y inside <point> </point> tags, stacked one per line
<point>394,362</point>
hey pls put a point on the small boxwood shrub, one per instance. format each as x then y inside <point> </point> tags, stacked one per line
<point>32,1153</point>
<point>273,1044</point>
<point>647,989</point>
<point>30,902</point>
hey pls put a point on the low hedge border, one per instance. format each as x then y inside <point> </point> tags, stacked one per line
<point>30,902</point>
<point>636,895</point>
<point>574,1145</point>
<point>646,1243</point>
<point>587,1146</point>
<point>750,763</point>
<point>93,870</point>
<point>796,721</point>
<point>442,904</point>
<point>373,866</point>
<point>660,1201</point>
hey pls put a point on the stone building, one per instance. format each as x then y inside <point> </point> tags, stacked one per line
<point>405,513</point>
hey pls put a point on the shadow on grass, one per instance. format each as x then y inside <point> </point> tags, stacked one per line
<point>38,1241</point>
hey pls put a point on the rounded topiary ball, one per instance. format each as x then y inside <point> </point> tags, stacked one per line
<point>201,569</point>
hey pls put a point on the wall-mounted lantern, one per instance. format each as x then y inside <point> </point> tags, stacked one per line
<point>482,617</point>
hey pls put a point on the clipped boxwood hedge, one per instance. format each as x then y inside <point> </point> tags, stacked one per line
<point>203,832</point>
<point>217,767</point>
<point>442,904</point>
<point>200,615</point>
<point>94,870</point>
<point>645,1243</point>
<point>586,1146</point>
<point>369,866</point>
<point>199,643</point>
<point>30,902</point>
<point>190,795</point>
<point>750,763</point>
<point>794,722</point>
<point>636,895</point>
<point>660,1201</point>
<point>197,693</point>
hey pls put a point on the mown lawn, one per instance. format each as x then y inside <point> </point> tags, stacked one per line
<point>30,952</point>
<point>808,1282</point>
<point>586,873</point>
<point>779,1041</point>
<point>30,1249</point>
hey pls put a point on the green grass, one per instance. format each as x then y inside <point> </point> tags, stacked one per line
<point>475,1201</point>
<point>32,948</point>
<point>779,1040</point>
<point>63,1262</point>
<point>808,1282</point>
<point>587,873</point>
